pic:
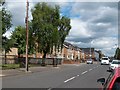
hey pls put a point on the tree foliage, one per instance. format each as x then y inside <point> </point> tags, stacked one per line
<point>44,22</point>
<point>49,28</point>
<point>64,28</point>
<point>2,2</point>
<point>19,38</point>
<point>6,25</point>
<point>117,54</point>
<point>6,20</point>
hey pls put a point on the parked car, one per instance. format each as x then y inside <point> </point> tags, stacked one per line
<point>114,64</point>
<point>105,60</point>
<point>112,82</point>
<point>89,61</point>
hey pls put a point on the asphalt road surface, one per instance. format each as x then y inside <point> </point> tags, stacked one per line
<point>65,76</point>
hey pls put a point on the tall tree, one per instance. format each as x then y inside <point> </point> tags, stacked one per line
<point>45,20</point>
<point>64,28</point>
<point>117,53</point>
<point>6,20</point>
<point>19,38</point>
<point>6,25</point>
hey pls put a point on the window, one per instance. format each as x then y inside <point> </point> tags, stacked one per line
<point>116,85</point>
<point>104,58</point>
<point>108,80</point>
<point>116,62</point>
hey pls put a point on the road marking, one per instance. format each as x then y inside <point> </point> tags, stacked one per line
<point>84,72</point>
<point>90,69</point>
<point>69,79</point>
<point>49,88</point>
<point>78,75</point>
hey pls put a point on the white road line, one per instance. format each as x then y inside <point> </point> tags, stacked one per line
<point>84,72</point>
<point>78,75</point>
<point>90,69</point>
<point>69,79</point>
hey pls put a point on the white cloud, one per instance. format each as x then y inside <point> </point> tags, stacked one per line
<point>79,29</point>
<point>18,12</point>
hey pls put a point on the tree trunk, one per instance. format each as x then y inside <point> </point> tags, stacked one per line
<point>43,59</point>
<point>55,60</point>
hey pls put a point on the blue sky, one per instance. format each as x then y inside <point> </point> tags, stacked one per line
<point>94,23</point>
<point>66,10</point>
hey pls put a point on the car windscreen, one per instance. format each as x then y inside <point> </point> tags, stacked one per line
<point>104,58</point>
<point>116,62</point>
<point>89,60</point>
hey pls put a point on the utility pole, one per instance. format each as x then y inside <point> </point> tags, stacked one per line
<point>26,21</point>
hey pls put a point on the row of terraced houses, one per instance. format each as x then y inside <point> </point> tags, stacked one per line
<point>69,54</point>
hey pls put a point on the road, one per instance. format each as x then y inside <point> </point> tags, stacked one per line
<point>65,76</point>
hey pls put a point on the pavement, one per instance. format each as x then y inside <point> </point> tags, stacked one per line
<point>21,71</point>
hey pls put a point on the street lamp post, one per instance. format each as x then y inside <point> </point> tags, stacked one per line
<point>90,47</point>
<point>27,31</point>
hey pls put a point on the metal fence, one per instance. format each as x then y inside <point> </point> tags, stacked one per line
<point>48,61</point>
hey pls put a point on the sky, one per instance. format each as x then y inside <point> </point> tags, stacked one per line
<point>94,23</point>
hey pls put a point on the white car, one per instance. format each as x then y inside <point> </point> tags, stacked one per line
<point>105,60</point>
<point>89,61</point>
<point>114,64</point>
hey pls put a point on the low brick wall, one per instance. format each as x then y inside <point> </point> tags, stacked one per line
<point>71,62</point>
<point>10,59</point>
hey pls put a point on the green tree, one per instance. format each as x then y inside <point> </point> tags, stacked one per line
<point>6,25</point>
<point>50,30</point>
<point>64,28</point>
<point>19,38</point>
<point>6,20</point>
<point>2,2</point>
<point>117,53</point>
<point>45,20</point>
